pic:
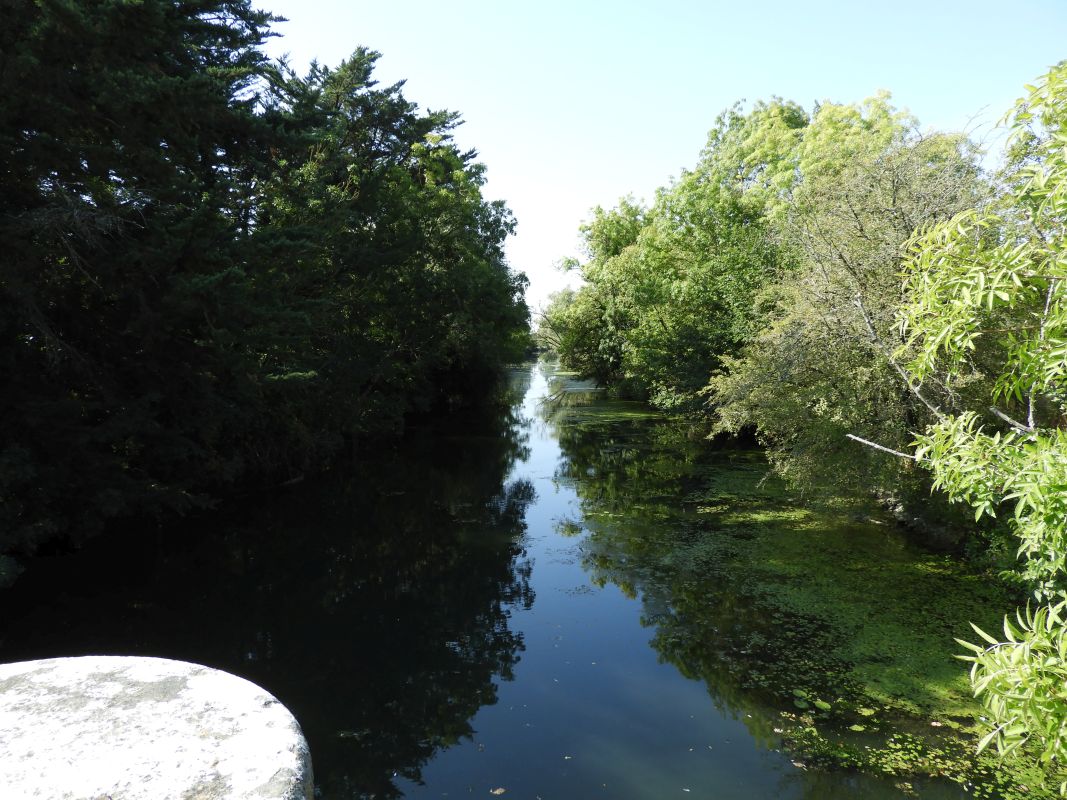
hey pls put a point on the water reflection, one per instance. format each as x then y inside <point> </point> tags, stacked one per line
<point>391,607</point>
<point>632,473</point>
<point>663,517</point>
<point>374,603</point>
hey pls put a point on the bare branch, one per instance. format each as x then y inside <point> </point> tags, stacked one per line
<point>883,448</point>
<point>1014,423</point>
<point>876,339</point>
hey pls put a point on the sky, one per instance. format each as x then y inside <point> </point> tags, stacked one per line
<point>576,104</point>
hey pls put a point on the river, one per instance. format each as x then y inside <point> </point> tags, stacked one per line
<point>503,607</point>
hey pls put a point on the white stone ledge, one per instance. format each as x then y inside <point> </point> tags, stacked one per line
<point>124,728</point>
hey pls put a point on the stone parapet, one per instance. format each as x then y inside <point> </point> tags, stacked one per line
<point>132,728</point>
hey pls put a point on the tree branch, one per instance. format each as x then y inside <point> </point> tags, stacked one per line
<point>1014,423</point>
<point>893,362</point>
<point>883,448</point>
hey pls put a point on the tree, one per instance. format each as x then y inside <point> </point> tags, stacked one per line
<point>821,366</point>
<point>588,328</point>
<point>993,282</point>
<point>669,289</point>
<point>215,271</point>
<point>376,232</point>
<point>122,132</point>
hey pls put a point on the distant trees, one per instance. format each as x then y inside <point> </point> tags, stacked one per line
<point>770,272</point>
<point>216,270</point>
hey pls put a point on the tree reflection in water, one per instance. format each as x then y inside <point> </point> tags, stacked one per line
<point>374,602</point>
<point>666,519</point>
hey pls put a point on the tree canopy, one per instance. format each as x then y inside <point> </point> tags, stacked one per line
<point>217,271</point>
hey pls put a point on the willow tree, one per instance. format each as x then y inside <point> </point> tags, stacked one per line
<point>987,283</point>
<point>820,367</point>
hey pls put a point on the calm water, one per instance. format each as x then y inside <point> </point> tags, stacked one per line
<point>450,620</point>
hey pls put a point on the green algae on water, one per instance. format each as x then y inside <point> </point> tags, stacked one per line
<point>821,626</point>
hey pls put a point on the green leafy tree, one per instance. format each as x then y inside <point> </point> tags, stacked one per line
<point>675,291</point>
<point>821,366</point>
<point>377,234</point>
<point>993,282</point>
<point>670,289</point>
<point>588,328</point>
<point>122,133</point>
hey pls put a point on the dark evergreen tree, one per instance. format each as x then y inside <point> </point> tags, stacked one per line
<point>214,270</point>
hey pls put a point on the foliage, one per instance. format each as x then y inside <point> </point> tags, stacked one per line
<point>993,280</point>
<point>669,289</point>
<point>770,271</point>
<point>587,328</point>
<point>215,271</point>
<point>1021,680</point>
<point>821,366</point>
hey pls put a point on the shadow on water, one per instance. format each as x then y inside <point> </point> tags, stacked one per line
<point>374,602</point>
<point>389,605</point>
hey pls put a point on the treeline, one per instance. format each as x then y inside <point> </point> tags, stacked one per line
<point>760,288</point>
<point>886,316</point>
<point>217,273</point>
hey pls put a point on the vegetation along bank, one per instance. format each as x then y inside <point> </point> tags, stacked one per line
<point>889,318</point>
<point>219,274</point>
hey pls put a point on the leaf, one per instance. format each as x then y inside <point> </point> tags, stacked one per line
<point>984,635</point>
<point>989,737</point>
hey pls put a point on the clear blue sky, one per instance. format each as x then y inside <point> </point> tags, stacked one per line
<point>575,104</point>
